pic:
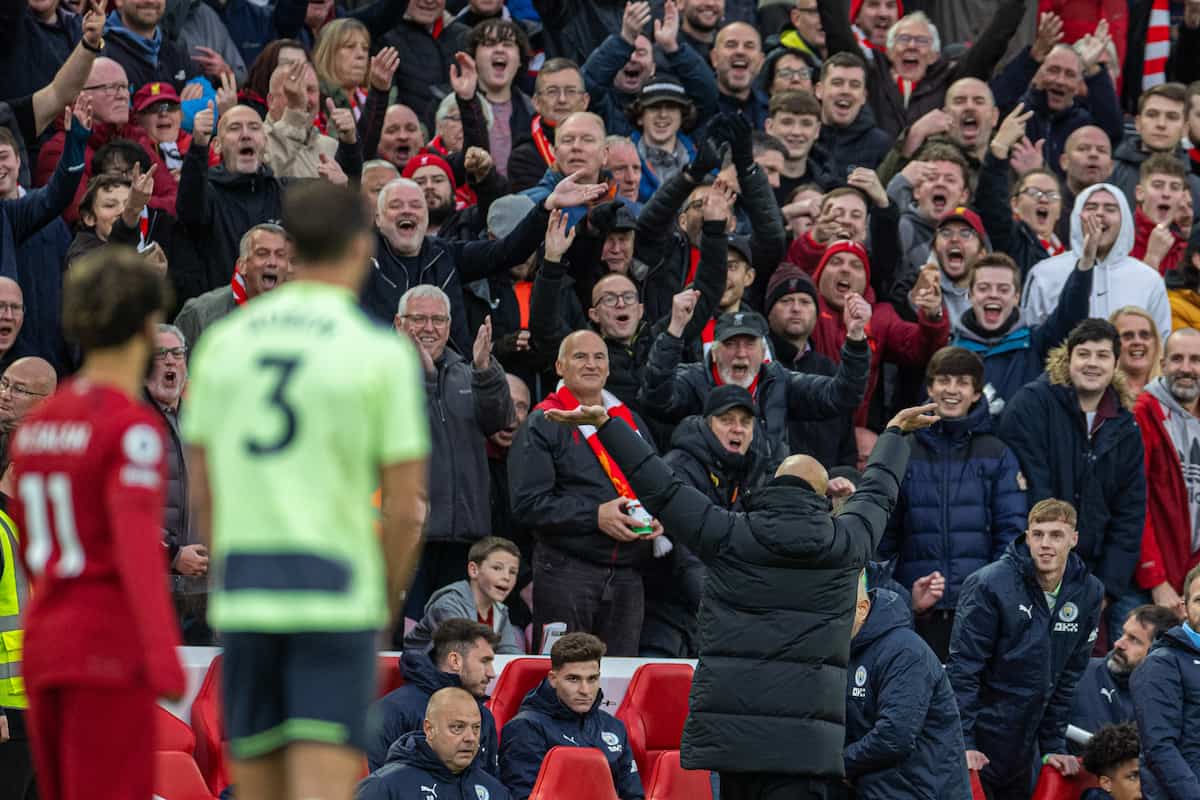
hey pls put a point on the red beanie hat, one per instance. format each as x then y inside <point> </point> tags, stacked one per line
<point>856,6</point>
<point>843,246</point>
<point>430,160</point>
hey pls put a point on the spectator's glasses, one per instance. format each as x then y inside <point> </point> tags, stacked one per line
<point>610,299</point>
<point>165,107</point>
<point>109,88</point>
<point>17,389</point>
<point>906,39</point>
<point>555,92</point>
<point>452,118</point>
<point>963,234</point>
<point>160,353</point>
<point>1034,193</point>
<point>788,73</point>
<point>11,308</point>
<point>421,320</point>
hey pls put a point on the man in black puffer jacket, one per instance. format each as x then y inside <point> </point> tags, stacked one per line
<point>1023,631</point>
<point>903,737</point>
<point>777,608</point>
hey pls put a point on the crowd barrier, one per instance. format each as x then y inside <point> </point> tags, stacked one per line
<point>615,674</point>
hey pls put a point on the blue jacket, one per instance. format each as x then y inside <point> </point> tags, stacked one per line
<point>545,188</point>
<point>1101,475</point>
<point>402,711</point>
<point>650,182</point>
<point>960,506</point>
<point>1101,698</point>
<point>1166,700</point>
<point>611,56</point>
<point>544,722</point>
<point>903,737</point>
<point>414,771</point>
<point>1018,355</point>
<point>1014,663</point>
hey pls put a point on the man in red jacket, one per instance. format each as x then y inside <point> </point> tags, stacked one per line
<point>90,473</point>
<point>1162,192</point>
<point>108,88</point>
<point>1168,415</point>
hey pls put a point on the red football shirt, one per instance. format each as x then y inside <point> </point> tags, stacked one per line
<point>90,481</point>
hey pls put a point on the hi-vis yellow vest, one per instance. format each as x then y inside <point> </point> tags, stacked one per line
<point>14,594</point>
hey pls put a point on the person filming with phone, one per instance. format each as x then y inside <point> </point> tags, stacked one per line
<point>777,605</point>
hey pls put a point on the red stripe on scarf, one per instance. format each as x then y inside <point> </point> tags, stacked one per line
<point>541,142</point>
<point>610,467</point>
<point>753,388</point>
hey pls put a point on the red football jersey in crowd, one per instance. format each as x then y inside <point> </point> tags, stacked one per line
<point>90,480</point>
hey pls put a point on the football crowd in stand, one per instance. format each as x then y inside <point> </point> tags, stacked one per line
<point>749,230</point>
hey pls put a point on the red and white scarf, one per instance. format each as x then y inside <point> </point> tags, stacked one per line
<point>541,141</point>
<point>905,87</point>
<point>1158,45</point>
<point>238,285</point>
<point>615,408</point>
<point>1052,245</point>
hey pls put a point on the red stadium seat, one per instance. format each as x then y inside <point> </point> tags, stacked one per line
<point>654,709</point>
<point>172,733</point>
<point>672,782</point>
<point>977,792</point>
<point>209,730</point>
<point>519,677</point>
<point>578,773</point>
<point>176,777</point>
<point>1053,785</point>
<point>388,677</point>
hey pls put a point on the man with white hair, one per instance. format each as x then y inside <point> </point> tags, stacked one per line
<point>467,401</point>
<point>910,79</point>
<point>264,262</point>
<point>406,256</point>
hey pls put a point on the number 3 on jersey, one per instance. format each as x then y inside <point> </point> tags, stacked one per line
<point>44,496</point>
<point>283,369</point>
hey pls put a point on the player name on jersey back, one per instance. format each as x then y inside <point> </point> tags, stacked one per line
<point>64,438</point>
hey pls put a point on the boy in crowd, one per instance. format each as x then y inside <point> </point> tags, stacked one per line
<point>1112,756</point>
<point>492,566</point>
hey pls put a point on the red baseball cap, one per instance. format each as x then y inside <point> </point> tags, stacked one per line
<point>967,216</point>
<point>152,94</point>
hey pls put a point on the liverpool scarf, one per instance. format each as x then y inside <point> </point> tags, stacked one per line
<point>541,141</point>
<point>615,408</point>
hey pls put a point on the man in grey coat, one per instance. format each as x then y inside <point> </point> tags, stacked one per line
<point>467,402</point>
<point>777,607</point>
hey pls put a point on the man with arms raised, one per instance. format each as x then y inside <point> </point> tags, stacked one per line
<point>1023,631</point>
<point>306,576</point>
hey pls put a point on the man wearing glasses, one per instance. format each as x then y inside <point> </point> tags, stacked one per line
<point>22,386</point>
<point>467,401</point>
<point>187,556</point>
<point>107,89</point>
<point>558,93</point>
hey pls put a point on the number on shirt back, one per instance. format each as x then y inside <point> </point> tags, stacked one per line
<point>283,367</point>
<point>45,497</point>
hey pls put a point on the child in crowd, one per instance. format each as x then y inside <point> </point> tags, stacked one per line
<point>1112,756</point>
<point>492,565</point>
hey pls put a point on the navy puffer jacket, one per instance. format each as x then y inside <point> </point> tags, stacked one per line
<point>961,504</point>
<point>1014,663</point>
<point>903,737</point>
<point>1166,701</point>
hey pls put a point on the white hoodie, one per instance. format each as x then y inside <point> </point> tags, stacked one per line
<point>1119,279</point>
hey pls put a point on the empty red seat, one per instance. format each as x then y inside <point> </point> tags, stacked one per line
<point>172,733</point>
<point>210,731</point>
<point>1053,785</point>
<point>519,677</point>
<point>672,782</point>
<point>388,677</point>
<point>578,773</point>
<point>977,792</point>
<point>176,777</point>
<point>654,709</point>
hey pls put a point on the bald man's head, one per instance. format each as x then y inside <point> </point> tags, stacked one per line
<point>583,365</point>
<point>24,384</point>
<point>807,469</point>
<point>452,725</point>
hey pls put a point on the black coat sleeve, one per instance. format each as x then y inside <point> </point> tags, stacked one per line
<point>479,259</point>
<point>821,396</point>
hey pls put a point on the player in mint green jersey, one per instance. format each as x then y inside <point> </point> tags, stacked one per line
<point>299,408</point>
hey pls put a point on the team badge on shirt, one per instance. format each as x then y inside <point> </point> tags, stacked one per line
<point>481,792</point>
<point>1067,615</point>
<point>143,448</point>
<point>612,740</point>
<point>860,682</point>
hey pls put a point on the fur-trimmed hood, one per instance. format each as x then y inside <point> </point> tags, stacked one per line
<point>1058,371</point>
